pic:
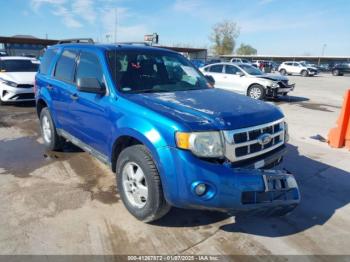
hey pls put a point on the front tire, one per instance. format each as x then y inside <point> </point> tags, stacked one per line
<point>52,140</point>
<point>256,92</point>
<point>139,184</point>
<point>304,73</point>
<point>335,72</point>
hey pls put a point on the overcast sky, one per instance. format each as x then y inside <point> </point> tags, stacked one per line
<point>286,27</point>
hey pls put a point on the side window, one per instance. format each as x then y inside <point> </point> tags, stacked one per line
<point>296,64</point>
<point>288,64</point>
<point>229,69</point>
<point>216,68</point>
<point>89,67</point>
<point>65,66</point>
<point>46,61</point>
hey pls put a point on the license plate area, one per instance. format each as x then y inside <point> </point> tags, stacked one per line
<point>275,183</point>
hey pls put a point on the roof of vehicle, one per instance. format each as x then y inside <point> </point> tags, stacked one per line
<point>228,63</point>
<point>110,47</point>
<point>16,58</point>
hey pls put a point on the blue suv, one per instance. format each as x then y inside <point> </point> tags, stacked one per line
<point>170,137</point>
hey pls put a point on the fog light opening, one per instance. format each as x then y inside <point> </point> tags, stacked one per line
<point>200,189</point>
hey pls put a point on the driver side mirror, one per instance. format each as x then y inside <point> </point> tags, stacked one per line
<point>210,79</point>
<point>90,85</point>
<point>240,73</point>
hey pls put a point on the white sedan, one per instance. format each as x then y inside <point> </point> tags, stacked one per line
<point>247,80</point>
<point>17,75</point>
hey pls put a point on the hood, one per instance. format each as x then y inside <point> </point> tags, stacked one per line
<point>209,109</point>
<point>19,77</point>
<point>311,68</point>
<point>274,77</point>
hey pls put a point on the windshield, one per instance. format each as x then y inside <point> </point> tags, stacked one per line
<point>18,65</point>
<point>154,71</point>
<point>251,70</point>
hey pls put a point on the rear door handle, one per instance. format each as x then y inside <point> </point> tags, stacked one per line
<point>50,87</point>
<point>74,96</point>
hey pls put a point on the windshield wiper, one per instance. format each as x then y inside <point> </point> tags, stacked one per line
<point>148,91</point>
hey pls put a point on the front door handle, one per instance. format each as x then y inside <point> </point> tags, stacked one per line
<point>74,96</point>
<point>50,87</point>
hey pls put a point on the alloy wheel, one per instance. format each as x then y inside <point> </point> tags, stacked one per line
<point>134,185</point>
<point>45,125</point>
<point>255,92</point>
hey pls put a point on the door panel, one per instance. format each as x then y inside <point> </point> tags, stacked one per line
<point>62,87</point>
<point>90,111</point>
<point>91,122</point>
<point>216,72</point>
<point>232,81</point>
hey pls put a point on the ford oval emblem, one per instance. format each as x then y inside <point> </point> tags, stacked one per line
<point>264,139</point>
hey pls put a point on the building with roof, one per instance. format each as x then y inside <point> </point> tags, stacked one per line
<point>282,58</point>
<point>26,45</point>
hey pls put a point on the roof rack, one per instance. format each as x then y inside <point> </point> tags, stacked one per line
<point>133,43</point>
<point>77,41</point>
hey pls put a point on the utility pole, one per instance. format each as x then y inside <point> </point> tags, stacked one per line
<point>115,24</point>
<point>323,49</point>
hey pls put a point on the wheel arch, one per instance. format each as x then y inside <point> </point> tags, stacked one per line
<point>127,138</point>
<point>40,104</point>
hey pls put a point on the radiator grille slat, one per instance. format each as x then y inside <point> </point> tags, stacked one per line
<point>246,143</point>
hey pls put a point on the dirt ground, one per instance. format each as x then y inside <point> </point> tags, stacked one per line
<point>66,202</point>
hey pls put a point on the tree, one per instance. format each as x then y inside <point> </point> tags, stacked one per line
<point>244,49</point>
<point>224,37</point>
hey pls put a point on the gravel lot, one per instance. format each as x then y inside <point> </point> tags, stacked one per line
<point>66,203</point>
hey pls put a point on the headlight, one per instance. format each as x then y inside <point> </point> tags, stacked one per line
<point>202,144</point>
<point>275,85</point>
<point>9,83</point>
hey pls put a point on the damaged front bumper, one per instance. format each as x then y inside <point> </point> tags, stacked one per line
<point>282,90</point>
<point>230,189</point>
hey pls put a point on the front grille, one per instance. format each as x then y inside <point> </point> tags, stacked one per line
<point>24,86</point>
<point>23,96</point>
<point>250,142</point>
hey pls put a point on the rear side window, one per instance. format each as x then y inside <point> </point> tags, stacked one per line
<point>231,69</point>
<point>65,66</point>
<point>46,61</point>
<point>216,68</point>
<point>89,67</point>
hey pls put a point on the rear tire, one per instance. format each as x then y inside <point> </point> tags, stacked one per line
<point>283,72</point>
<point>335,72</point>
<point>304,73</point>
<point>256,92</point>
<point>52,140</point>
<point>139,184</point>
